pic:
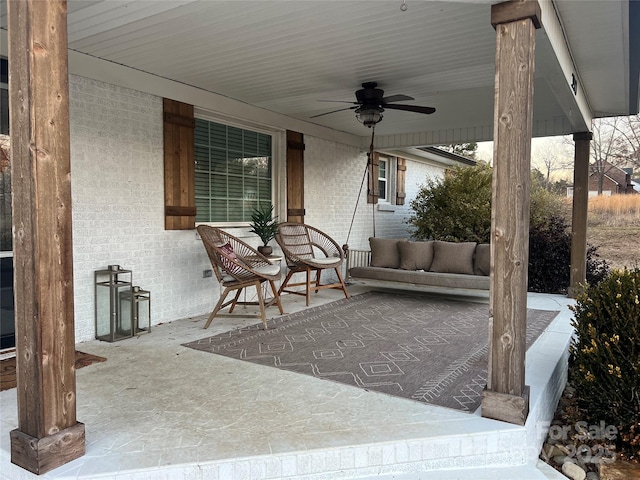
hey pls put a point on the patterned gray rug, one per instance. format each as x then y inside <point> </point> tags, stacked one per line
<point>428,349</point>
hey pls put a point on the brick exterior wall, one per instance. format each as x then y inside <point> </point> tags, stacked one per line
<point>118,203</point>
<point>333,175</point>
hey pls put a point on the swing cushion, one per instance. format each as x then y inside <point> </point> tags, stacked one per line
<point>384,252</point>
<point>416,255</point>
<point>452,257</point>
<point>482,260</point>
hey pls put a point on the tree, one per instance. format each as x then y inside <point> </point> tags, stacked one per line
<point>551,155</point>
<point>615,143</point>
<point>465,149</point>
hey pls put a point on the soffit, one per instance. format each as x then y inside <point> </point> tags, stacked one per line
<point>284,56</point>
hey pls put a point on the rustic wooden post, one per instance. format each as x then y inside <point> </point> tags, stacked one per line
<point>48,434</point>
<point>578,274</point>
<point>507,397</point>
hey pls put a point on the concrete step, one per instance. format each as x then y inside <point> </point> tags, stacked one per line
<point>541,471</point>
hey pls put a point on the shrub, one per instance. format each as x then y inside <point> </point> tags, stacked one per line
<point>550,257</point>
<point>458,209</point>
<point>545,207</point>
<point>605,356</point>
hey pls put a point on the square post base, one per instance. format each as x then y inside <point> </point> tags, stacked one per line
<point>40,455</point>
<point>505,407</point>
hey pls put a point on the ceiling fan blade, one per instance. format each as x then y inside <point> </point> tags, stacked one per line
<point>339,101</point>
<point>333,111</point>
<point>397,98</point>
<point>411,108</point>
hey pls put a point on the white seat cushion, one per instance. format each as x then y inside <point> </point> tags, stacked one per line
<point>326,261</point>
<point>268,269</point>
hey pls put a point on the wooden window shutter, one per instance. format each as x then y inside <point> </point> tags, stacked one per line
<point>401,168</point>
<point>295,177</point>
<point>179,180</point>
<point>373,188</point>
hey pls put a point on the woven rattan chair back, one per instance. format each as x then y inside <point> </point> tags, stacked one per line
<point>307,250</point>
<point>237,265</point>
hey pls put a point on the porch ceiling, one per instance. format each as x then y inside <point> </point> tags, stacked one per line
<point>284,56</point>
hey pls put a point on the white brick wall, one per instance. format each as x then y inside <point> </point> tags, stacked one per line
<point>118,205</point>
<point>333,175</point>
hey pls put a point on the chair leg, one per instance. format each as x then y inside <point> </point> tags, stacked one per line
<point>344,287</point>
<point>276,296</point>
<point>263,311</point>
<point>308,286</point>
<point>235,300</point>
<point>286,282</point>
<point>217,307</point>
<point>318,279</point>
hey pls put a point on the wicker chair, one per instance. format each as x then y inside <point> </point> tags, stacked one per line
<point>237,265</point>
<point>307,249</point>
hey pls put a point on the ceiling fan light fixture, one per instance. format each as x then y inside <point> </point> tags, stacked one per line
<point>369,116</point>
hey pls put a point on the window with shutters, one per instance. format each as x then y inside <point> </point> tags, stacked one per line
<point>386,185</point>
<point>383,182</point>
<point>233,172</point>
<point>386,179</point>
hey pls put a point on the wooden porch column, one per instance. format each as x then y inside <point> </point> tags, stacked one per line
<point>579,215</point>
<point>48,434</point>
<point>507,397</point>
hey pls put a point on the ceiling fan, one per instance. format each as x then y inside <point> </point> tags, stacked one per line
<point>371,102</point>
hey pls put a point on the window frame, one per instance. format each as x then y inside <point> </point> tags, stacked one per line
<point>276,154</point>
<point>389,179</point>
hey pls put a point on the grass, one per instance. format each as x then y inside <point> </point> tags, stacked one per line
<point>614,210</point>
<point>614,227</point>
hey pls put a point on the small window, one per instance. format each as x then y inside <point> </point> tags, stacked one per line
<point>233,172</point>
<point>383,180</point>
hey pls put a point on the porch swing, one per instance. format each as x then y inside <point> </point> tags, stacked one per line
<point>345,247</point>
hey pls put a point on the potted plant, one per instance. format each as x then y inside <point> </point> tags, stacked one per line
<point>265,225</point>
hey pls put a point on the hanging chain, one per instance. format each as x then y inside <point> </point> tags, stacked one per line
<point>345,247</point>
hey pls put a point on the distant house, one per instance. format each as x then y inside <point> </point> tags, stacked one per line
<point>616,180</point>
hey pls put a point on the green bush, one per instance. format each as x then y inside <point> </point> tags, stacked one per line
<point>458,209</point>
<point>550,257</point>
<point>605,356</point>
<point>546,207</point>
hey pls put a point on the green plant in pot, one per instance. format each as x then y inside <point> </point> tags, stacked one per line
<point>265,225</point>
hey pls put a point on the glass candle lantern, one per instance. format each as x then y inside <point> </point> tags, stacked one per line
<point>141,308</point>
<point>113,317</point>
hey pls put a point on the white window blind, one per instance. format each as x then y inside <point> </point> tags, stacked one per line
<point>233,172</point>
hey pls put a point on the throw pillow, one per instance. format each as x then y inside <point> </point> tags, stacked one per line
<point>451,257</point>
<point>415,255</point>
<point>482,262</point>
<point>384,252</point>
<point>228,265</point>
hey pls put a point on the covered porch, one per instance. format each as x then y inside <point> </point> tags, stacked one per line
<point>474,62</point>
<point>156,409</point>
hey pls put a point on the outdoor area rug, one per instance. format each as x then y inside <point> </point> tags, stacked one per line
<point>428,349</point>
<point>8,368</point>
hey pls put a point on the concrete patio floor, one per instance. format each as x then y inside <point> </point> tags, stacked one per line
<point>158,410</point>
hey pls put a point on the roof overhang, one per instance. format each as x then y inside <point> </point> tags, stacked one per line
<point>271,61</point>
